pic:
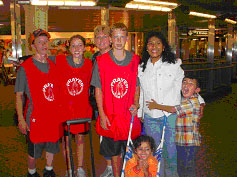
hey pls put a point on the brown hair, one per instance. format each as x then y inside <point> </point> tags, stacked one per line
<point>120,26</point>
<point>78,37</point>
<point>101,28</point>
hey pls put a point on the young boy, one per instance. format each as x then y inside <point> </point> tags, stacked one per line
<point>187,126</point>
<point>36,79</point>
<point>102,42</point>
<point>117,96</point>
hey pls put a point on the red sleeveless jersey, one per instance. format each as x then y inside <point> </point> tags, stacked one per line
<point>45,125</point>
<point>74,92</point>
<point>118,84</point>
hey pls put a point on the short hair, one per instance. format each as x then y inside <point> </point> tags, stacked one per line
<point>77,37</point>
<point>101,28</point>
<point>145,138</point>
<point>119,26</point>
<point>193,78</point>
<point>37,33</point>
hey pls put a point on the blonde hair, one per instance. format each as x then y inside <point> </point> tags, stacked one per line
<point>120,26</point>
<point>101,28</point>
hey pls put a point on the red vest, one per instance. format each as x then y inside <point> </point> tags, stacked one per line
<point>118,84</point>
<point>45,125</point>
<point>74,92</point>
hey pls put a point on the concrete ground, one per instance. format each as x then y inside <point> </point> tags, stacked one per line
<point>217,156</point>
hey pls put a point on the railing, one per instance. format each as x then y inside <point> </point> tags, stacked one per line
<point>211,75</point>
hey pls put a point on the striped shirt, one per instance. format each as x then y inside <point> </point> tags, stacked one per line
<point>187,123</point>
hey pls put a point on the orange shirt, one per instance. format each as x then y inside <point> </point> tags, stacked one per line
<point>131,171</point>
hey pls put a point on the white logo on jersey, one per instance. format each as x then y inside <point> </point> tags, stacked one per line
<point>74,86</point>
<point>119,87</point>
<point>48,91</point>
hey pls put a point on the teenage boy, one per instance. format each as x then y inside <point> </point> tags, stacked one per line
<point>102,42</point>
<point>117,96</point>
<point>35,78</point>
<point>187,126</point>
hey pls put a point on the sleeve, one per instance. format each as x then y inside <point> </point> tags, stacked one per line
<point>21,80</point>
<point>178,81</point>
<point>95,80</point>
<point>200,99</point>
<point>52,58</point>
<point>184,108</point>
<point>153,167</point>
<point>129,168</point>
<point>141,99</point>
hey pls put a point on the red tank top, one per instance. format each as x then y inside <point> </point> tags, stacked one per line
<point>118,84</point>
<point>74,92</point>
<point>45,125</point>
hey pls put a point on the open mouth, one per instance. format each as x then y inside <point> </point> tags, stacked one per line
<point>185,91</point>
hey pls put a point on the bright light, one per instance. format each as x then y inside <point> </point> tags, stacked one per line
<point>230,21</point>
<point>39,3</point>
<point>165,9</point>
<point>88,3</point>
<point>158,8</point>
<point>202,15</point>
<point>144,7</point>
<point>72,3</point>
<point>132,6</point>
<point>55,3</point>
<point>1,3</point>
<point>157,2</point>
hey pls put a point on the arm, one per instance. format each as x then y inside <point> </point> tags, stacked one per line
<point>153,105</point>
<point>23,127</point>
<point>99,100</point>
<point>202,105</point>
<point>134,107</point>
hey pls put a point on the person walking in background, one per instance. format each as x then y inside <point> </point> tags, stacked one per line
<point>117,95</point>
<point>74,76</point>
<point>36,79</point>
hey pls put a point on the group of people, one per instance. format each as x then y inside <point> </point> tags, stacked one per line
<point>56,89</point>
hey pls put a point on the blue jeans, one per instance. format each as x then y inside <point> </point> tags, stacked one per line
<point>154,128</point>
<point>186,158</point>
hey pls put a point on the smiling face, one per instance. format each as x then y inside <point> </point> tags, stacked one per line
<point>40,45</point>
<point>189,87</point>
<point>77,48</point>
<point>143,151</point>
<point>119,39</point>
<point>102,41</point>
<point>155,48</point>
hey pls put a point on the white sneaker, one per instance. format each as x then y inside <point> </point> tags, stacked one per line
<point>108,172</point>
<point>81,172</point>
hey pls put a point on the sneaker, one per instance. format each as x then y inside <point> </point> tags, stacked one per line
<point>34,175</point>
<point>47,173</point>
<point>81,172</point>
<point>108,172</point>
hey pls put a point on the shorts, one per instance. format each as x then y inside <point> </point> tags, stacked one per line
<point>109,147</point>
<point>35,150</point>
<point>66,133</point>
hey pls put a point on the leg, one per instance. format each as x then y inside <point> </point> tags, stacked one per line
<point>66,154</point>
<point>49,159</point>
<point>191,152</point>
<point>181,158</point>
<point>80,141</point>
<point>116,165</point>
<point>171,153</point>
<point>31,162</point>
<point>154,127</point>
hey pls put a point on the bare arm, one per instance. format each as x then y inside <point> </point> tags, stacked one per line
<point>134,107</point>
<point>153,105</point>
<point>23,127</point>
<point>99,100</point>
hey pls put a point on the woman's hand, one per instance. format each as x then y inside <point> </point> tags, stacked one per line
<point>151,104</point>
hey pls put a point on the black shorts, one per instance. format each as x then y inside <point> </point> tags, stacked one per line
<point>109,147</point>
<point>35,150</point>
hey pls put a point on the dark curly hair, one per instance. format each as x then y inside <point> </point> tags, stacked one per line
<point>167,55</point>
<point>147,139</point>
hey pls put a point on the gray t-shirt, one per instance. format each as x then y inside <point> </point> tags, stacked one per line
<point>21,84</point>
<point>96,81</point>
<point>72,64</point>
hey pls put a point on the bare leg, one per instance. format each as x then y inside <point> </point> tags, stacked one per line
<point>80,141</point>
<point>31,162</point>
<point>108,162</point>
<point>116,164</point>
<point>49,159</point>
<point>66,153</point>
